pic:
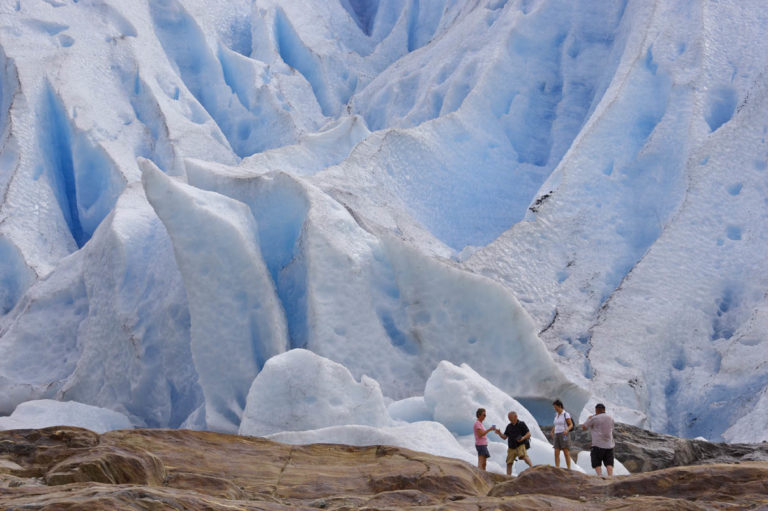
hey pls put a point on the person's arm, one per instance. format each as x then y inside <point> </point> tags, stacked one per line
<point>482,432</point>
<point>587,423</point>
<point>568,425</point>
<point>502,435</point>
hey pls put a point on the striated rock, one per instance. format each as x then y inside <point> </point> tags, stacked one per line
<point>547,480</point>
<point>698,482</point>
<point>681,487</point>
<point>36,450</point>
<point>215,486</point>
<point>70,468</point>
<point>640,450</point>
<point>108,464</point>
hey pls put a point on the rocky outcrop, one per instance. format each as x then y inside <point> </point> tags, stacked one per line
<point>70,468</point>
<point>698,487</point>
<point>640,450</point>
<point>108,464</point>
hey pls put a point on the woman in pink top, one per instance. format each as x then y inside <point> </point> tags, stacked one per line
<point>481,440</point>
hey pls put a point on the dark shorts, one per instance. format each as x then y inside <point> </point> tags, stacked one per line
<point>599,455</point>
<point>562,441</point>
<point>482,450</point>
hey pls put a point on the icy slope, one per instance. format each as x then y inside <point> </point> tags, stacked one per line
<point>650,278</point>
<point>568,196</point>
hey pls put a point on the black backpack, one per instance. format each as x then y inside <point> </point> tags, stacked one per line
<point>527,440</point>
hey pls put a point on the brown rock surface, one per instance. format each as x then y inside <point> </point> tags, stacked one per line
<point>72,469</point>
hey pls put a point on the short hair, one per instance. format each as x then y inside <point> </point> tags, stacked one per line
<point>600,406</point>
<point>479,412</point>
<point>557,402</point>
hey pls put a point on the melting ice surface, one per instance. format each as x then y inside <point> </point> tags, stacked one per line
<point>209,205</point>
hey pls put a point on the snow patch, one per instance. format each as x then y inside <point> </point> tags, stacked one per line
<point>45,413</point>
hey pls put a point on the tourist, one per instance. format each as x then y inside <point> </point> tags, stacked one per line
<point>600,427</point>
<point>563,425</point>
<point>517,436</point>
<point>481,440</point>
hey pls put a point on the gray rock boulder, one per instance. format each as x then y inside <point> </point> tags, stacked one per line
<point>640,450</point>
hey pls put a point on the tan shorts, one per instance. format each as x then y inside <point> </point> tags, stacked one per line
<point>518,453</point>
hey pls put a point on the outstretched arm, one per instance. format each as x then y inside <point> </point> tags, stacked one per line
<point>482,432</point>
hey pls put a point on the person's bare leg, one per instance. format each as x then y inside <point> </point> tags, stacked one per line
<point>567,458</point>
<point>609,469</point>
<point>599,470</point>
<point>509,469</point>
<point>528,460</point>
<point>557,458</point>
<point>481,462</point>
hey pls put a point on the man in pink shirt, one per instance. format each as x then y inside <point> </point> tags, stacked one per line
<point>481,440</point>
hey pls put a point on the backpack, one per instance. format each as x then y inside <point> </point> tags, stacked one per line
<point>527,442</point>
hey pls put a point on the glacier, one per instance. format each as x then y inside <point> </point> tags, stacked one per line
<point>560,198</point>
<point>303,398</point>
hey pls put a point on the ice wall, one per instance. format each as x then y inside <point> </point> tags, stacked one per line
<point>566,194</point>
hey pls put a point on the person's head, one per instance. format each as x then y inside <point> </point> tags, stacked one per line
<point>599,408</point>
<point>558,405</point>
<point>480,413</point>
<point>512,417</point>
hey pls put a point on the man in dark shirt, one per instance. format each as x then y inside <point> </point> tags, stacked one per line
<point>516,435</point>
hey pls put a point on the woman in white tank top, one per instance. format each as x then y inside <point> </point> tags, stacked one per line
<point>563,425</point>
